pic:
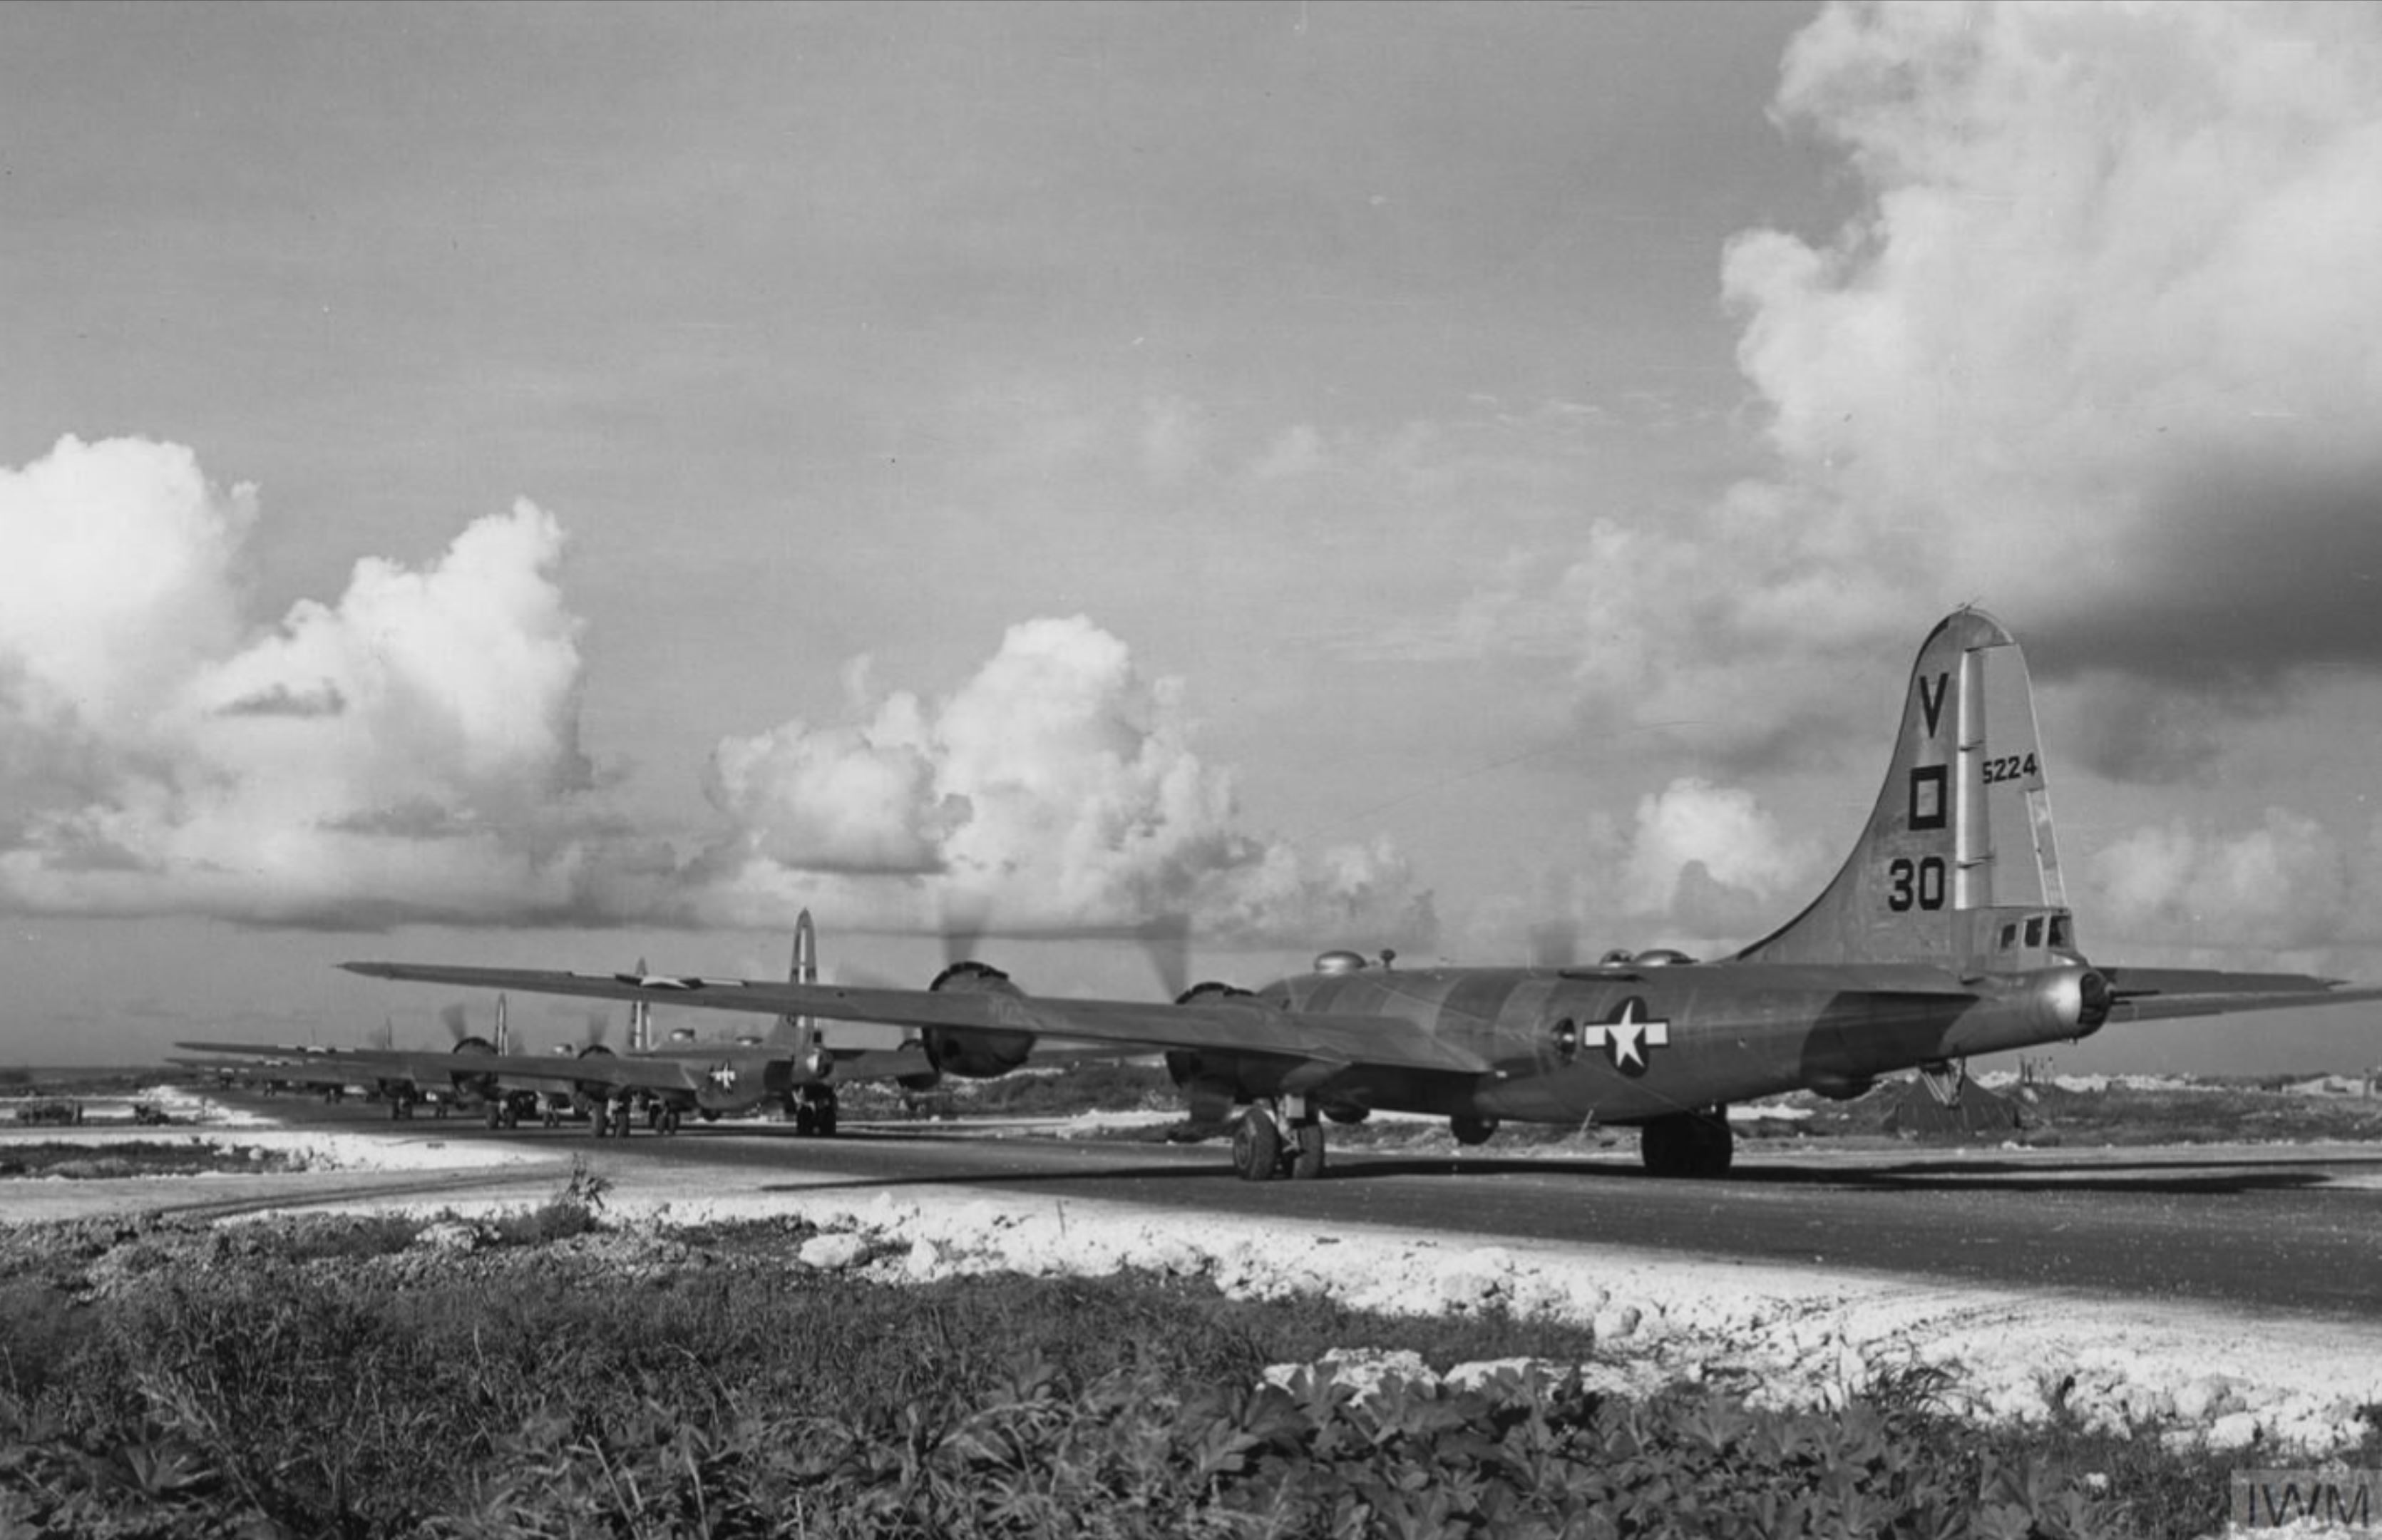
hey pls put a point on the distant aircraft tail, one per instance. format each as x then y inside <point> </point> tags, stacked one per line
<point>1956,867</point>
<point>800,1032</point>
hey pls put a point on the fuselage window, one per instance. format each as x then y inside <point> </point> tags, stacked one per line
<point>1565,1035</point>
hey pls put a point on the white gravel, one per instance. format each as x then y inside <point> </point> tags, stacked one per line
<point>2259,1382</point>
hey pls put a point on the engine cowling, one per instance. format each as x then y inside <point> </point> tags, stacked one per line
<point>975,1055</point>
<point>1209,1081</point>
<point>473,1047</point>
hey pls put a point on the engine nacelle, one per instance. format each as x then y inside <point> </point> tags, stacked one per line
<point>975,1055</point>
<point>473,1047</point>
<point>1211,1082</point>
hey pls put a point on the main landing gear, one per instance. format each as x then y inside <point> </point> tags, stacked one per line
<point>1688,1144</point>
<point>815,1111</point>
<point>1264,1148</point>
<point>608,1119</point>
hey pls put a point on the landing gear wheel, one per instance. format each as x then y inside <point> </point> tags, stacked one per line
<point>1307,1162</point>
<point>1688,1144</point>
<point>1256,1146</point>
<point>668,1122</point>
<point>1472,1130</point>
<point>805,1120</point>
<point>827,1115</point>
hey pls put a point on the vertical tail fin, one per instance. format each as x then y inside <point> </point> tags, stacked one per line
<point>641,1019</point>
<point>1957,861</point>
<point>800,1031</point>
<point>504,1032</point>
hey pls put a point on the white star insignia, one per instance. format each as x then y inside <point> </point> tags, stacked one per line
<point>1628,1037</point>
<point>724,1076</point>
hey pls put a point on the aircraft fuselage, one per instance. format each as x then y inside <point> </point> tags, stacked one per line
<point>1563,1046</point>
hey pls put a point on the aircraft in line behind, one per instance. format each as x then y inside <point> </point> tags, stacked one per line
<point>789,1066</point>
<point>1945,934</point>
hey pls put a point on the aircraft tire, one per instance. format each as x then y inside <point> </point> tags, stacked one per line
<point>1688,1144</point>
<point>1472,1130</point>
<point>826,1116</point>
<point>1256,1146</point>
<point>805,1120</point>
<point>1306,1163</point>
<point>1715,1143</point>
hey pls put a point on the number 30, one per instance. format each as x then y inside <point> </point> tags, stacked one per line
<point>1920,883</point>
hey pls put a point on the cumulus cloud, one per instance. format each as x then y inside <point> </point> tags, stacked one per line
<point>1711,861</point>
<point>2097,337</point>
<point>2283,885</point>
<point>1054,789</point>
<point>2092,349</point>
<point>409,750</point>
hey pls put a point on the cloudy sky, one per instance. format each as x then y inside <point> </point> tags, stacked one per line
<point>554,485</point>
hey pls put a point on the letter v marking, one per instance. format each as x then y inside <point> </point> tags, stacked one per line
<point>1931,706</point>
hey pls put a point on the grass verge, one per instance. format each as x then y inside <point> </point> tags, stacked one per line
<point>538,1384</point>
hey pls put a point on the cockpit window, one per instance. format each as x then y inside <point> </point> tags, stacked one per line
<point>2034,931</point>
<point>2060,931</point>
<point>2009,935</point>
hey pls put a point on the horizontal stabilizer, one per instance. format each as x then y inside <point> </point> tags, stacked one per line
<point>2166,993</point>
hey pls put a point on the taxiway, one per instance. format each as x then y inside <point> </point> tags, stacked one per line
<point>2295,1227</point>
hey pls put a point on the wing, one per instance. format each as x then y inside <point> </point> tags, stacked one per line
<point>2164,994</point>
<point>310,1073</point>
<point>422,1068</point>
<point>1240,1025</point>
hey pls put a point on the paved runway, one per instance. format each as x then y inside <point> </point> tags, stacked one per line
<point>2295,1229</point>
